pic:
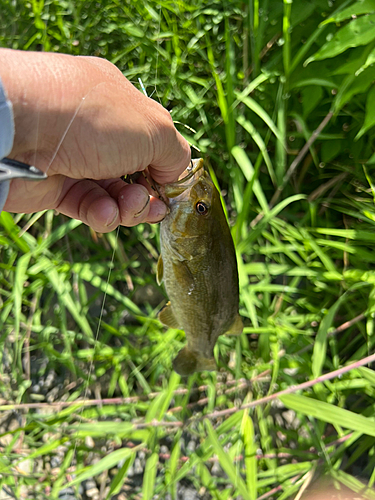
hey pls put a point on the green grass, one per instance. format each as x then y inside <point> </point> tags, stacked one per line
<point>253,80</point>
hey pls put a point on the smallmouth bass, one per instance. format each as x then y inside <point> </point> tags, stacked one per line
<point>199,269</point>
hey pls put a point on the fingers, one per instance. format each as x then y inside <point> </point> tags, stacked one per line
<point>135,203</point>
<point>171,151</point>
<point>105,205</point>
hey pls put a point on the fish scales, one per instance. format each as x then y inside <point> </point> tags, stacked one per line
<point>199,269</point>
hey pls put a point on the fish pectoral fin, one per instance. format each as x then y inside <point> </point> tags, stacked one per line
<point>167,317</point>
<point>159,270</point>
<point>188,362</point>
<point>236,327</point>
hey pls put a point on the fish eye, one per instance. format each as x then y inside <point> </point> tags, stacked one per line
<point>201,208</point>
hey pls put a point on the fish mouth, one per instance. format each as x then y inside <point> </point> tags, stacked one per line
<point>188,179</point>
<point>194,167</point>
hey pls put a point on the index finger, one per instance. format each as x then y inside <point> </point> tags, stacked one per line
<point>172,152</point>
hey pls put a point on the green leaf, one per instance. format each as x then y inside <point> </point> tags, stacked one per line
<point>104,464</point>
<point>172,466</point>
<point>370,60</point>
<point>148,490</point>
<point>359,31</point>
<point>257,108</point>
<point>248,171</point>
<point>331,149</point>
<point>227,463</point>
<point>174,380</point>
<point>209,482</point>
<point>120,477</point>
<point>59,480</point>
<point>86,273</point>
<point>257,138</point>
<point>371,160</point>
<point>356,9</point>
<point>368,374</point>
<point>267,218</point>
<point>131,29</point>
<point>353,483</point>
<point>248,437</point>
<point>62,288</point>
<point>205,449</point>
<point>329,413</point>
<point>353,85</point>
<point>59,233</point>
<point>154,408</point>
<point>18,288</point>
<point>370,112</point>
<point>311,96</point>
<point>46,448</point>
<point>100,429</point>
<point>320,345</point>
<point>6,220</point>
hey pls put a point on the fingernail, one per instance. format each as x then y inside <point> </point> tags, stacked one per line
<point>112,217</point>
<point>138,214</point>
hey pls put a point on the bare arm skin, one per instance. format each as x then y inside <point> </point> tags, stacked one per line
<point>111,129</point>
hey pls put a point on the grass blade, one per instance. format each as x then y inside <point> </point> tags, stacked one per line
<point>329,413</point>
<point>226,463</point>
<point>148,487</point>
<point>320,346</point>
<point>251,130</point>
<point>247,430</point>
<point>104,464</point>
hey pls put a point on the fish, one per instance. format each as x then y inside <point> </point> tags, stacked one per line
<point>198,266</point>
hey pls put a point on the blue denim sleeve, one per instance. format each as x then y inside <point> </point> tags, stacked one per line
<point>6,137</point>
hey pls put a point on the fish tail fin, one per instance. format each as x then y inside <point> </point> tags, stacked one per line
<point>188,362</point>
<point>236,327</point>
<point>206,364</point>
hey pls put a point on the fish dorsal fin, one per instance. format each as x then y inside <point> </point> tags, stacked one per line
<point>167,317</point>
<point>236,327</point>
<point>159,270</point>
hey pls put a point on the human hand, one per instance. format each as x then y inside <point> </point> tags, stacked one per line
<point>107,129</point>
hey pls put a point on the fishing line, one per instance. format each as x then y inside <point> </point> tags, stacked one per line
<point>155,91</point>
<point>113,252</point>
<point>114,247</point>
<point>91,365</point>
<point>37,137</point>
<point>96,337</point>
<point>70,123</point>
<point>142,86</point>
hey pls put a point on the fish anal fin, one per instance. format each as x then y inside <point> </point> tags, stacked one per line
<point>236,327</point>
<point>159,270</point>
<point>167,317</point>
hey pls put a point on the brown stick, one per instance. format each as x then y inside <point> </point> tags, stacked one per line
<point>339,329</point>
<point>266,399</point>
